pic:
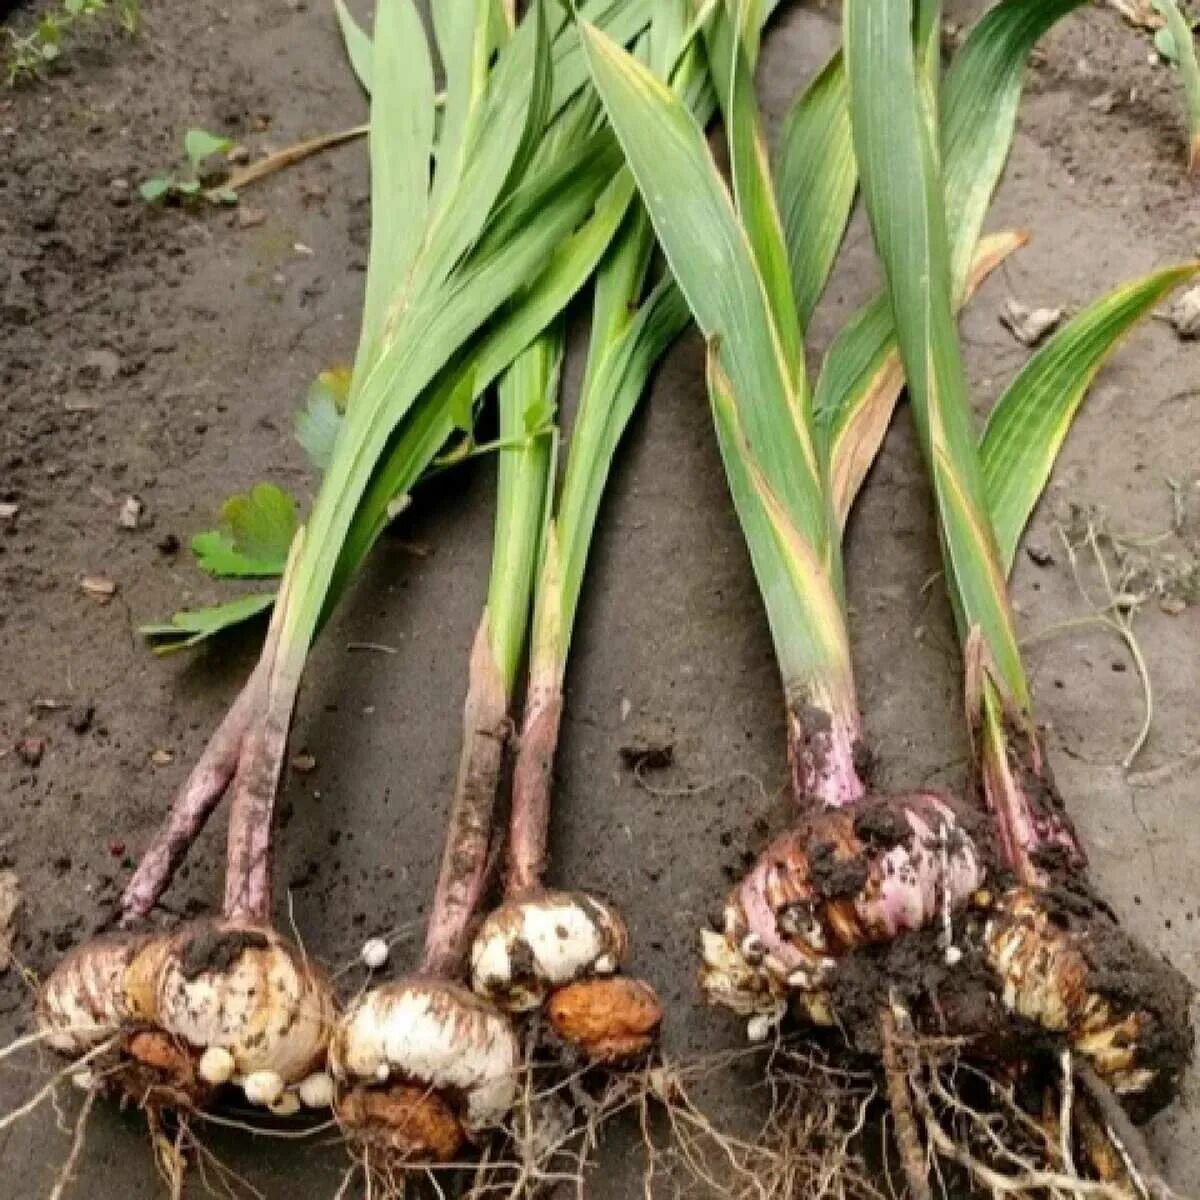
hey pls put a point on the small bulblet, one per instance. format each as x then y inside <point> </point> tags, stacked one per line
<point>428,1034</point>
<point>240,987</point>
<point>841,880</point>
<point>82,1001</point>
<point>526,948</point>
<point>1066,965</point>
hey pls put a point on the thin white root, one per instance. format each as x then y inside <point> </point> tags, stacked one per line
<point>67,1175</point>
<point>52,1084</point>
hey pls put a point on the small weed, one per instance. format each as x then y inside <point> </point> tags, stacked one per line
<point>31,53</point>
<point>198,146</point>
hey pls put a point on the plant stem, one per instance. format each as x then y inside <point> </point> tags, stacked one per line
<point>218,764</point>
<point>192,806</point>
<point>1185,55</point>
<point>248,874</point>
<point>529,386</point>
<point>825,750</point>
<point>463,874</point>
<point>529,817</point>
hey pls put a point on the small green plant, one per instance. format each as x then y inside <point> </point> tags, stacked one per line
<point>1176,43</point>
<point>29,54</point>
<point>198,145</point>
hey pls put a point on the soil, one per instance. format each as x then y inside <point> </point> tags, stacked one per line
<point>160,354</point>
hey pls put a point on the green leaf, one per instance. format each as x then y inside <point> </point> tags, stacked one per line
<point>858,381</point>
<point>400,142</point>
<point>1030,421</point>
<point>1164,43</point>
<point>192,626</point>
<point>539,413</point>
<point>357,43</point>
<point>616,384</point>
<point>318,422</point>
<point>767,435</point>
<point>799,591</point>
<point>980,98</point>
<point>463,35</point>
<point>863,378</point>
<point>816,179</point>
<point>1178,44</point>
<point>258,529</point>
<point>198,144</point>
<point>390,438</point>
<point>186,187</point>
<point>461,404</point>
<point>501,142</point>
<point>50,36</point>
<point>904,196</point>
<point>752,185</point>
<point>623,21</point>
<point>715,266</point>
<point>155,188</point>
<point>523,479</point>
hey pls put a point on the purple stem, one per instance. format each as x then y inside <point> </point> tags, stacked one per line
<point>194,803</point>
<point>825,748</point>
<point>462,878</point>
<point>529,818</point>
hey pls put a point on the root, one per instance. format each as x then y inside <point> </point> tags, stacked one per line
<point>282,159</point>
<point>1123,1135</point>
<point>974,1122</point>
<point>66,1175</point>
<point>951,1118</point>
<point>53,1083</point>
<point>908,1140</point>
<point>805,1149</point>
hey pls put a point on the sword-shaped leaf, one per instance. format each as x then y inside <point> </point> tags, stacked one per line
<point>815,178</point>
<point>714,264</point>
<point>1030,421</point>
<point>762,415</point>
<point>863,379</point>
<point>401,141</point>
<point>859,383</point>
<point>905,201</point>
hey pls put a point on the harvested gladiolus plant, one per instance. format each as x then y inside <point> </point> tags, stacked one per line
<point>464,272</point>
<point>166,1020</point>
<point>1065,1002</point>
<point>410,1054</point>
<point>421,1062</point>
<point>857,911</point>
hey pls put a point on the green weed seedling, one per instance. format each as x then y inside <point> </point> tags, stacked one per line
<point>29,54</point>
<point>198,146</point>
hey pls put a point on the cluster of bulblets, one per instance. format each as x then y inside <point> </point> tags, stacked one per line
<point>418,1064</point>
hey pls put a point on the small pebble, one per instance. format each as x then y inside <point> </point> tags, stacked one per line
<point>130,516</point>
<point>99,587</point>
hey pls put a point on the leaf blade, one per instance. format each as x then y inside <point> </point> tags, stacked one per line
<point>905,203</point>
<point>1030,421</point>
<point>816,180</point>
<point>400,140</point>
<point>357,44</point>
<point>189,627</point>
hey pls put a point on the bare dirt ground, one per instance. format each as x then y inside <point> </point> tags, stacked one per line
<point>161,354</point>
